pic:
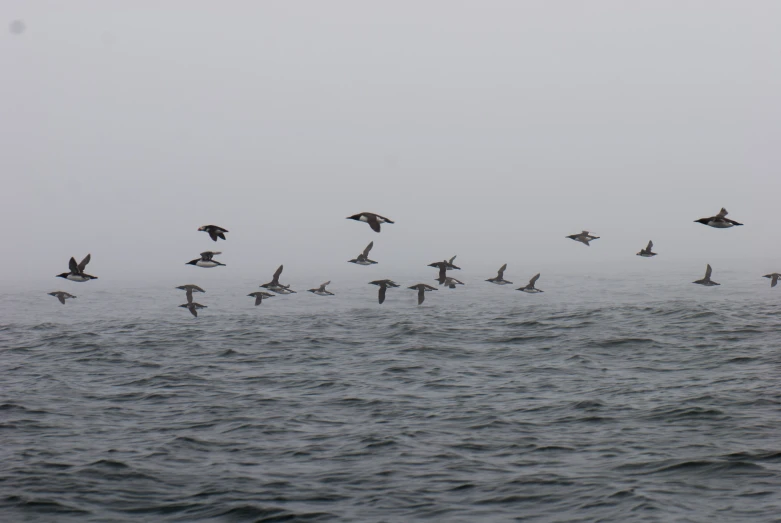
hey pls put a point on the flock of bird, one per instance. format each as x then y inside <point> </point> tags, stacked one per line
<point>206,260</point>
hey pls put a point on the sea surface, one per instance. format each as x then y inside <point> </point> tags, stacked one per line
<point>599,400</point>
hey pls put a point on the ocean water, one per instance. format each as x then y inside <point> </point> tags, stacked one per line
<point>602,399</point>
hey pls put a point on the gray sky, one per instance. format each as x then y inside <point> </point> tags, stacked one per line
<point>490,130</point>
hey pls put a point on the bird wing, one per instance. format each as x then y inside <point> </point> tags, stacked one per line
<point>381,294</point>
<point>450,261</point>
<point>368,249</point>
<point>421,295</point>
<point>189,295</point>
<point>193,311</point>
<point>373,223</point>
<point>258,298</point>
<point>584,233</point>
<point>650,246</point>
<point>73,266</point>
<point>722,213</point>
<point>586,241</point>
<point>61,297</point>
<point>442,271</point>
<point>774,280</point>
<point>84,263</point>
<point>196,288</point>
<point>277,273</point>
<point>708,272</point>
<point>429,287</point>
<point>322,286</point>
<point>212,234</point>
<point>500,274</point>
<point>534,279</point>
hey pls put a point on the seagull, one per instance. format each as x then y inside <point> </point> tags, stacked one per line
<point>192,307</point>
<point>77,271</point>
<point>206,260</point>
<point>451,282</point>
<point>720,221</point>
<point>189,289</point>
<point>62,296</point>
<point>214,231</point>
<point>275,286</point>
<point>706,280</point>
<point>646,253</point>
<point>259,296</point>
<point>363,258</point>
<point>320,291</point>
<point>383,285</point>
<point>374,220</point>
<point>584,237</point>
<point>773,278</point>
<point>422,288</point>
<point>499,280</point>
<point>530,288</point>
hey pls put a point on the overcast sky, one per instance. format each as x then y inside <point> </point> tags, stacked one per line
<point>487,129</point>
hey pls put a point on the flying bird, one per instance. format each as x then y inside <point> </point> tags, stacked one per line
<point>77,273</point>
<point>422,289</point>
<point>773,278</point>
<point>363,258</point>
<point>442,266</point>
<point>214,231</point>
<point>646,253</point>
<point>275,286</point>
<point>259,296</point>
<point>706,280</point>
<point>584,237</point>
<point>320,291</point>
<point>499,280</point>
<point>530,288</point>
<point>193,307</point>
<point>189,289</point>
<point>62,296</point>
<point>383,285</point>
<point>720,221</point>
<point>374,220</point>
<point>451,282</point>
<point>206,260</point>
<point>450,264</point>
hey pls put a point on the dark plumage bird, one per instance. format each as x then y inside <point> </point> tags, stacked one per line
<point>374,220</point>
<point>499,280</point>
<point>189,289</point>
<point>584,238</point>
<point>275,286</point>
<point>383,285</point>
<point>193,307</point>
<point>720,221</point>
<point>77,273</point>
<point>530,288</point>
<point>206,260</point>
<point>214,231</point>
<point>442,266</point>
<point>320,291</point>
<point>773,278</point>
<point>706,280</point>
<point>62,296</point>
<point>363,258</point>
<point>451,282</point>
<point>450,264</point>
<point>422,289</point>
<point>259,296</point>
<point>646,253</point>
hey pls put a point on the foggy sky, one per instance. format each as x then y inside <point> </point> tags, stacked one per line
<point>490,130</point>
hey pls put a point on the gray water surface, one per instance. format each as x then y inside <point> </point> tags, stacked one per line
<point>628,402</point>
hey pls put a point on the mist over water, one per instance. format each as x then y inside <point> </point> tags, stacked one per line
<point>608,398</point>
